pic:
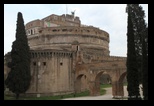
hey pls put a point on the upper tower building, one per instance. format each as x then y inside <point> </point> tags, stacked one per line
<point>56,32</point>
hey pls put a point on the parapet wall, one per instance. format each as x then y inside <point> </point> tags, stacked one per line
<point>83,31</point>
<point>109,58</point>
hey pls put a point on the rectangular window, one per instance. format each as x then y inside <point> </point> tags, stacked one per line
<point>44,63</point>
<point>61,63</point>
<point>63,19</point>
<point>55,17</point>
<point>78,48</point>
<point>34,63</point>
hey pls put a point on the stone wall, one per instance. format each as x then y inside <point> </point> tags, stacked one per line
<point>51,72</point>
<point>92,40</point>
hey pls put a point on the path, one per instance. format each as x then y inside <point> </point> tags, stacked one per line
<point>107,96</point>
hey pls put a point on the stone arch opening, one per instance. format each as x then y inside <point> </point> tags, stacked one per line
<point>105,79</point>
<point>98,82</point>
<point>121,83</point>
<point>81,83</point>
<point>122,77</point>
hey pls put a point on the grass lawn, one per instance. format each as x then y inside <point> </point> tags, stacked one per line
<point>85,93</point>
<point>105,85</point>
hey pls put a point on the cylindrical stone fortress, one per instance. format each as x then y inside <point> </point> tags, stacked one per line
<point>60,37</point>
<point>53,41</point>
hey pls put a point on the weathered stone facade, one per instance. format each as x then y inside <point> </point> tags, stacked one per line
<point>68,57</point>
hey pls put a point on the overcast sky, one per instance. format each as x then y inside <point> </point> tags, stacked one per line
<point>109,17</point>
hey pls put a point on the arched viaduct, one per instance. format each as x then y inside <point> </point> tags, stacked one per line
<point>115,67</point>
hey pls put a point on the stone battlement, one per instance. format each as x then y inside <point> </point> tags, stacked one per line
<point>50,53</point>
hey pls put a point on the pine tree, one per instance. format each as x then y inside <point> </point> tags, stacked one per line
<point>132,71</point>
<point>18,80</point>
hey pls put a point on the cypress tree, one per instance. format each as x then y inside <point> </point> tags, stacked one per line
<point>132,71</point>
<point>145,64</point>
<point>141,45</point>
<point>139,26</point>
<point>18,80</point>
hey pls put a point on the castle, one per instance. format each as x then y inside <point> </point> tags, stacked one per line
<point>68,57</point>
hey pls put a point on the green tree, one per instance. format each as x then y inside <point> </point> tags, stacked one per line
<point>18,80</point>
<point>145,64</point>
<point>141,44</point>
<point>139,26</point>
<point>132,71</point>
<point>140,33</point>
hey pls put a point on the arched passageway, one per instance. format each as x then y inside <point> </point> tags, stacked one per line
<point>95,84</point>
<point>105,79</point>
<point>117,86</point>
<point>93,74</point>
<point>81,83</point>
<point>121,84</point>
